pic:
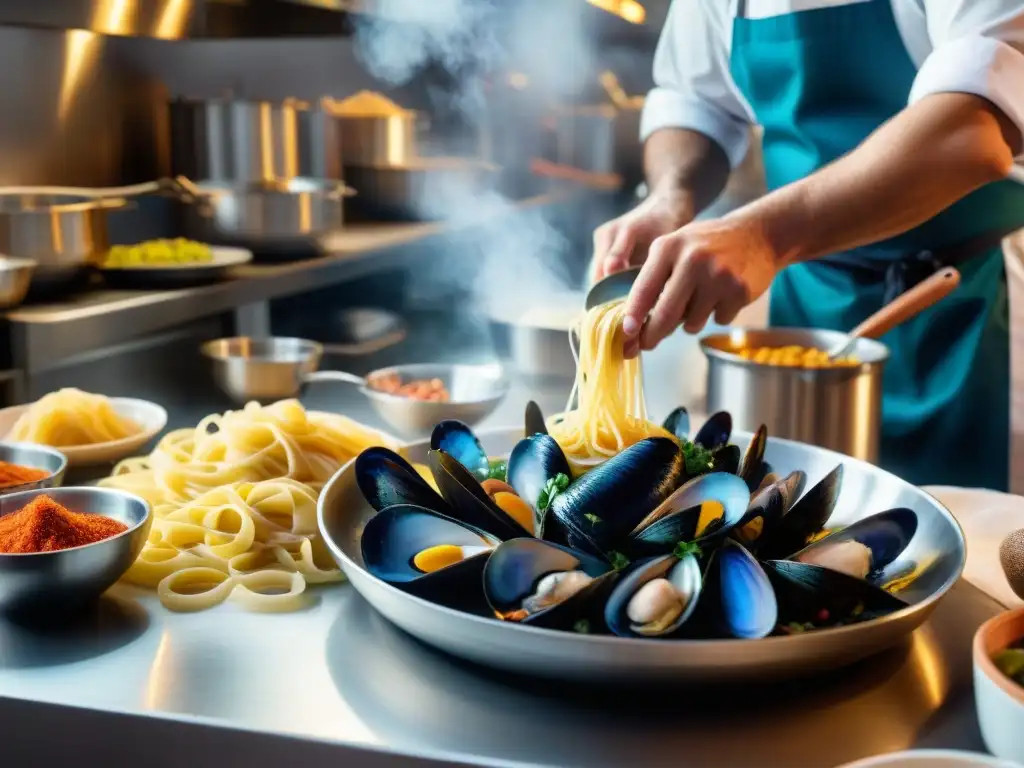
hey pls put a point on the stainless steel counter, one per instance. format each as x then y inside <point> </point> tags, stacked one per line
<point>337,685</point>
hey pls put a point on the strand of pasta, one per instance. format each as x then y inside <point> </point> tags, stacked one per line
<point>610,412</point>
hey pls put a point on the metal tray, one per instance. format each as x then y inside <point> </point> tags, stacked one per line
<point>164,276</point>
<point>938,546</point>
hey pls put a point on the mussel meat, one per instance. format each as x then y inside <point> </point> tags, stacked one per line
<point>865,547</point>
<point>527,579</point>
<point>606,504</point>
<point>655,597</point>
<point>705,507</point>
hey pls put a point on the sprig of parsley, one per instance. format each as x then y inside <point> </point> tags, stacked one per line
<point>618,560</point>
<point>686,548</point>
<point>552,488</point>
<point>697,458</point>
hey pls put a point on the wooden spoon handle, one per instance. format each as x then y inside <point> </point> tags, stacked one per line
<point>917,299</point>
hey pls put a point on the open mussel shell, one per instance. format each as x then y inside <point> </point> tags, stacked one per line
<point>726,458</point>
<point>543,584</point>
<point>534,421</point>
<point>700,510</point>
<point>812,597</point>
<point>608,502</point>
<point>678,423</point>
<point>753,468</point>
<point>655,597</point>
<point>716,431</point>
<point>739,594</point>
<point>769,504</point>
<point>393,538</point>
<point>534,462</point>
<point>386,479</point>
<point>458,441</point>
<point>865,547</point>
<point>468,500</point>
<point>795,529</point>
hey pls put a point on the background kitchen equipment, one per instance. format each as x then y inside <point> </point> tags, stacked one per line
<point>236,141</point>
<point>15,278</point>
<point>836,407</point>
<point>536,339</point>
<point>374,131</point>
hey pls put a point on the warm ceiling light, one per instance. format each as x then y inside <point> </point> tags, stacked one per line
<point>627,10</point>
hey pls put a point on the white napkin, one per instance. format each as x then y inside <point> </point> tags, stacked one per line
<point>986,517</point>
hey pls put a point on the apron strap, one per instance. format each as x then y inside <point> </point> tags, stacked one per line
<point>741,9</point>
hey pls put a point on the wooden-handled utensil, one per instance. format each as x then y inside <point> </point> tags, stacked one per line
<point>907,305</point>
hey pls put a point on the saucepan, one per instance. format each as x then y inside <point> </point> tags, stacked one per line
<point>835,404</point>
<point>277,368</point>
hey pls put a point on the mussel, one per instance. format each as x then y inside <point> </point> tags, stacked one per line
<point>726,458</point>
<point>812,597</point>
<point>716,431</point>
<point>537,471</point>
<point>405,543</point>
<point>769,504</point>
<point>603,506</point>
<point>741,596</point>
<point>655,597</point>
<point>753,468</point>
<point>534,420</point>
<point>470,501</point>
<point>543,584</point>
<point>792,531</point>
<point>678,423</point>
<point>705,507</point>
<point>458,441</point>
<point>386,479</point>
<point>866,547</point>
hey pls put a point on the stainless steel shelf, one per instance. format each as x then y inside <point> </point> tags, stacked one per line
<point>46,336</point>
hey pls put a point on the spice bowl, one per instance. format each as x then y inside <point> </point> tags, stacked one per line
<point>48,584</point>
<point>998,698</point>
<point>37,457</point>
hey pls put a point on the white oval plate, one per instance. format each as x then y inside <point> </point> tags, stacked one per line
<point>150,416</point>
<point>223,256</point>
<point>932,758</point>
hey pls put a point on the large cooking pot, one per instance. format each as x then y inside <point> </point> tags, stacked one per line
<point>835,408</point>
<point>374,131</point>
<point>237,141</point>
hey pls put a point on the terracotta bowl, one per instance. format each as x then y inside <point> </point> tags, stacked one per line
<point>999,700</point>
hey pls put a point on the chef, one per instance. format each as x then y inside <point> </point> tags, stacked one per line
<point>890,130</point>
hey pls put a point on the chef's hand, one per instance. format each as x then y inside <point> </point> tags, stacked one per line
<point>625,241</point>
<point>707,267</point>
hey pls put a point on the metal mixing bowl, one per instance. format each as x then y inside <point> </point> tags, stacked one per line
<point>37,456</point>
<point>937,548</point>
<point>15,278</point>
<point>272,369</point>
<point>46,583</point>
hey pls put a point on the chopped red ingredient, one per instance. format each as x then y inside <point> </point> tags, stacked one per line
<point>822,616</point>
<point>43,525</point>
<point>16,474</point>
<point>432,390</point>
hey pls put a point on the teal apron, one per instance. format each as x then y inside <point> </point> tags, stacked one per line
<point>820,81</point>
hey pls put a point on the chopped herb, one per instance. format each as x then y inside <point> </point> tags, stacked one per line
<point>552,488</point>
<point>686,548</point>
<point>497,469</point>
<point>594,519</point>
<point>582,626</point>
<point>618,560</point>
<point>795,628</point>
<point>1010,662</point>
<point>858,609</point>
<point>698,459</point>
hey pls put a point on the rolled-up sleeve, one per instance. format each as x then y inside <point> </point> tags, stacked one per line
<point>978,48</point>
<point>693,86</point>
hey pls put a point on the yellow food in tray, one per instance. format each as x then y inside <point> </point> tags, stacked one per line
<point>795,357</point>
<point>153,253</point>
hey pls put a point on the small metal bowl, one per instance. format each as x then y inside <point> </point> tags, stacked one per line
<point>272,369</point>
<point>15,278</point>
<point>38,457</point>
<point>42,583</point>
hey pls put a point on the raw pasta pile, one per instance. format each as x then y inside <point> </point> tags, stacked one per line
<point>70,417</point>
<point>234,505</point>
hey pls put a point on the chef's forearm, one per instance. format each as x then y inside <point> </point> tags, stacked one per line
<point>685,166</point>
<point>913,167</point>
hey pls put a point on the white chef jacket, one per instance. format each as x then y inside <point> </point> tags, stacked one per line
<point>962,46</point>
<point>965,46</point>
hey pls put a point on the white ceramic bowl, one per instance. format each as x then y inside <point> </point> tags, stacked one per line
<point>1000,701</point>
<point>931,758</point>
<point>150,416</point>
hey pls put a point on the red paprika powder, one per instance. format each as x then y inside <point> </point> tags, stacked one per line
<point>43,525</point>
<point>16,474</point>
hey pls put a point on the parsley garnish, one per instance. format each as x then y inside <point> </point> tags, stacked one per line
<point>697,458</point>
<point>582,626</point>
<point>594,519</point>
<point>497,469</point>
<point>618,560</point>
<point>686,548</point>
<point>552,488</point>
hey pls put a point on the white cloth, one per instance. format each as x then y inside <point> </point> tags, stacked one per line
<point>987,518</point>
<point>966,46</point>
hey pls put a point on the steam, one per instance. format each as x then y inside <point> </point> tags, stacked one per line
<point>516,253</point>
